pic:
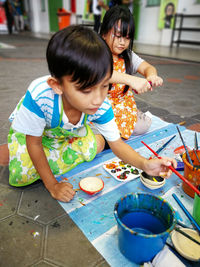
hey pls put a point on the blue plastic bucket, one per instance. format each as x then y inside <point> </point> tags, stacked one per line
<point>144,223</point>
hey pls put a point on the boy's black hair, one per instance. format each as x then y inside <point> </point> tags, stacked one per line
<point>110,20</point>
<point>81,53</point>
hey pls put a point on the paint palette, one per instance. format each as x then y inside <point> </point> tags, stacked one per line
<point>121,171</point>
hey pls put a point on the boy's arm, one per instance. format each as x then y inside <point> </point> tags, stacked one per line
<point>150,73</point>
<point>60,191</point>
<point>157,167</point>
<point>141,85</point>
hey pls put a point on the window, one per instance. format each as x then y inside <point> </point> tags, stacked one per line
<point>153,3</point>
<point>42,4</point>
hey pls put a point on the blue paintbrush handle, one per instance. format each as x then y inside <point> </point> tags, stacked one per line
<point>162,147</point>
<point>187,153</point>
<point>196,141</point>
<point>194,223</point>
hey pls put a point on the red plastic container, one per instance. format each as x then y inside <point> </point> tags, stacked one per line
<point>190,173</point>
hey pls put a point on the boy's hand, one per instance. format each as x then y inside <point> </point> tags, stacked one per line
<point>159,167</point>
<point>155,80</point>
<point>62,191</point>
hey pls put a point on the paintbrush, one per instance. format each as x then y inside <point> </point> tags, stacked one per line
<point>175,171</point>
<point>196,141</point>
<point>165,144</point>
<point>192,220</point>
<point>196,155</point>
<point>186,150</point>
<point>186,235</point>
<point>183,225</point>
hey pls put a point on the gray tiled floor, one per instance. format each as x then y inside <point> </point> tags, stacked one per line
<point>34,229</point>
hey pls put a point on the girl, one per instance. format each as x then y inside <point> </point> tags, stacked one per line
<point>118,31</point>
<point>49,134</point>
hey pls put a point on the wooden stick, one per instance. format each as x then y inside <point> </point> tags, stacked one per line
<point>186,235</point>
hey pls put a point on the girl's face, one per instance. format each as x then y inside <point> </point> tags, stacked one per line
<point>116,42</point>
<point>169,10</point>
<point>88,100</point>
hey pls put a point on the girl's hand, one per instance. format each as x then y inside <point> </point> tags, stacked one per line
<point>140,85</point>
<point>62,191</point>
<point>155,80</point>
<point>159,167</point>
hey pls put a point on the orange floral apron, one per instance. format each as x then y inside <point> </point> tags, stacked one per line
<point>124,106</point>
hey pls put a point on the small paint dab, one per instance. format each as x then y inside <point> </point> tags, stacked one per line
<point>56,224</point>
<point>96,222</point>
<point>11,223</point>
<point>82,203</point>
<point>77,189</point>
<point>135,171</point>
<point>35,233</point>
<point>111,166</point>
<point>98,174</point>
<point>182,196</point>
<point>122,176</point>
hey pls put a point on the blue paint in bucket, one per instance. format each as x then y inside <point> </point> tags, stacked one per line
<point>144,223</point>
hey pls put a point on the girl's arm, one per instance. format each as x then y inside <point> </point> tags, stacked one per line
<point>157,167</point>
<point>141,85</point>
<point>60,191</point>
<point>150,73</point>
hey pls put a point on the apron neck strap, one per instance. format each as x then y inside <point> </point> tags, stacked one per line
<point>61,114</point>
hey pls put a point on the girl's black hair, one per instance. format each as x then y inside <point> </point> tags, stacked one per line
<point>81,53</point>
<point>110,20</point>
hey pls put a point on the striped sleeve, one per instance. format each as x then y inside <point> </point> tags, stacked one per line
<point>37,109</point>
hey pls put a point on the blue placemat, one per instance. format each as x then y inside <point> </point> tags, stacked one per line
<point>94,214</point>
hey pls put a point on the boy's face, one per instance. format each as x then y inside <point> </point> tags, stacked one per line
<point>88,100</point>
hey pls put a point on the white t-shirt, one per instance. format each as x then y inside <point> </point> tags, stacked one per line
<point>95,10</point>
<point>41,109</point>
<point>136,61</point>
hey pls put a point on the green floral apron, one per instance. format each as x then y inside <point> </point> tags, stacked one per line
<point>64,151</point>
